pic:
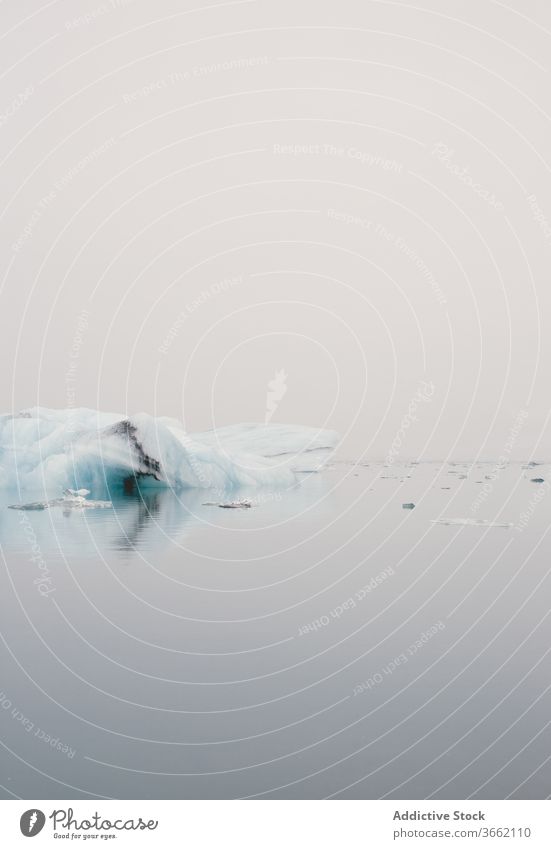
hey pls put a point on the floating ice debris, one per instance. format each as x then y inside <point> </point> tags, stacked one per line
<point>76,498</point>
<point>72,498</point>
<point>537,480</point>
<point>409,505</point>
<point>482,523</point>
<point>32,505</point>
<point>235,505</point>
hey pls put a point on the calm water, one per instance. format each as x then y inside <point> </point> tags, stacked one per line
<point>326,642</point>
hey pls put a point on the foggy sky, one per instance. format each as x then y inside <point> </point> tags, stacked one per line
<point>355,196</point>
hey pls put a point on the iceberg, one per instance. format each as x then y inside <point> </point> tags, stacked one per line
<point>75,449</point>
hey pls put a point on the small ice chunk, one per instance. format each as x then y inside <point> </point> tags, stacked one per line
<point>241,503</point>
<point>479,523</point>
<point>82,503</point>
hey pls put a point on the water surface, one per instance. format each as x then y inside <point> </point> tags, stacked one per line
<point>325,642</point>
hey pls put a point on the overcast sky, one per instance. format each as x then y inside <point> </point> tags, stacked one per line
<point>354,196</point>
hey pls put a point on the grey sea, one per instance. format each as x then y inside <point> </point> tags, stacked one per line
<point>376,631</point>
